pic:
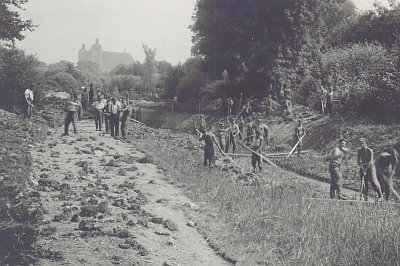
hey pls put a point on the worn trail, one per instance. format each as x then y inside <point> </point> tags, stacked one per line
<point>108,204</point>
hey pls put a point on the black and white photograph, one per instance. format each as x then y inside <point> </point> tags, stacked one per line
<point>200,132</point>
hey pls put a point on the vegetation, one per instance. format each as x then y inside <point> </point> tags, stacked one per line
<point>276,222</point>
<point>20,204</point>
<point>272,47</point>
<point>12,26</point>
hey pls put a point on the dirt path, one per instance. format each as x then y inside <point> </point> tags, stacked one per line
<point>108,204</point>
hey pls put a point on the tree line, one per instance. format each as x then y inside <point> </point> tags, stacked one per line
<point>251,47</point>
<point>266,47</point>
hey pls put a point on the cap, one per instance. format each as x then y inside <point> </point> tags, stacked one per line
<point>363,140</point>
<point>343,139</point>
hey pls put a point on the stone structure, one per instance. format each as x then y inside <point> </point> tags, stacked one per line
<point>104,59</point>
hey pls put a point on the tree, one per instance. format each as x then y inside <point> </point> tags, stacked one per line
<point>315,26</point>
<point>17,72</point>
<point>126,84</point>
<point>11,24</point>
<point>169,82</point>
<point>379,25</point>
<point>135,69</point>
<point>241,37</point>
<point>193,79</point>
<point>150,69</point>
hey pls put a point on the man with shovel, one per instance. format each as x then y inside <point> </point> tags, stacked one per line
<point>367,170</point>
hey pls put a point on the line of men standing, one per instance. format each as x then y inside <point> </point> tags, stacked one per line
<point>112,112</point>
<point>377,171</point>
<point>257,133</point>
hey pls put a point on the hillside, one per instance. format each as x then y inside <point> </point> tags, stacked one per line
<point>322,135</point>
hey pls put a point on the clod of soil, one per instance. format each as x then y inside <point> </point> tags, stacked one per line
<point>127,185</point>
<point>146,159</point>
<point>124,233</point>
<point>75,218</point>
<point>169,224</point>
<point>122,172</point>
<point>87,225</point>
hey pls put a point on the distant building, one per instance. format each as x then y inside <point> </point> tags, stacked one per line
<point>104,59</point>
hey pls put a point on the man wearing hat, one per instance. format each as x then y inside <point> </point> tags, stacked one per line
<point>336,159</point>
<point>367,169</point>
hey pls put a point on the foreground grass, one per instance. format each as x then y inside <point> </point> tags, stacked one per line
<point>274,223</point>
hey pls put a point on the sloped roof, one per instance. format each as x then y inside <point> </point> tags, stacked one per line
<point>113,59</point>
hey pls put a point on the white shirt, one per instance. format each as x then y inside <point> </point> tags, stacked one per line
<point>29,94</point>
<point>99,104</point>
<point>114,108</point>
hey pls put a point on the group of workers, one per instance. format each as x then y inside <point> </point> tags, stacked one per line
<point>113,112</point>
<point>226,136</point>
<point>377,171</point>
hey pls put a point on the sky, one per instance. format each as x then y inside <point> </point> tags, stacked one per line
<point>64,25</point>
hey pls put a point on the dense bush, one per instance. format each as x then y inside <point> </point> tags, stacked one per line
<point>364,76</point>
<point>17,72</point>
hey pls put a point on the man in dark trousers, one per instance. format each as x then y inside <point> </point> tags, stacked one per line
<point>98,112</point>
<point>106,111</point>
<point>386,164</point>
<point>139,114</point>
<point>335,169</point>
<point>84,98</point>
<point>91,93</point>
<point>71,116</point>
<point>299,132</point>
<point>233,131</point>
<point>114,118</point>
<point>256,146</point>
<point>221,135</point>
<point>124,119</point>
<point>209,155</point>
<point>367,170</point>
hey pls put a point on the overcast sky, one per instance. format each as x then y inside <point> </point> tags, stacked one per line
<point>64,25</point>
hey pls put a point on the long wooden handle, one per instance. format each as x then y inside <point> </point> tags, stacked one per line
<point>295,146</point>
<point>223,153</point>
<point>263,157</point>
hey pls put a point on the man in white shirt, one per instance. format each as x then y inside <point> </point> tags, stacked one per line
<point>29,100</point>
<point>71,110</point>
<point>98,112</point>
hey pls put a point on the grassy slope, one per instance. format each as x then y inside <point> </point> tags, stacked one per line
<point>323,133</point>
<point>274,223</point>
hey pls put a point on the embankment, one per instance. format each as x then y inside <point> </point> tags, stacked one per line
<point>322,135</point>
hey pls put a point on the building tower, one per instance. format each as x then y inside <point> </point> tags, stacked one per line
<point>96,53</point>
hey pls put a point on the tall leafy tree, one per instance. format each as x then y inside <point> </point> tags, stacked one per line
<point>149,68</point>
<point>11,24</point>
<point>239,36</point>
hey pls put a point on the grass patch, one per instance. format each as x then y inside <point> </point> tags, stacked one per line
<point>275,223</point>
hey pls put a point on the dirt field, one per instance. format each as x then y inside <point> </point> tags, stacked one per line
<point>106,203</point>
